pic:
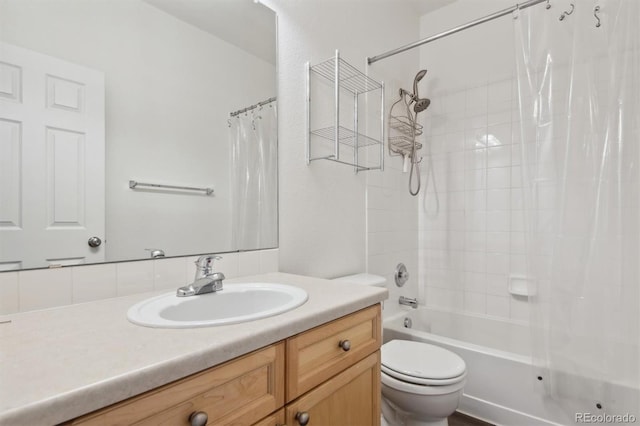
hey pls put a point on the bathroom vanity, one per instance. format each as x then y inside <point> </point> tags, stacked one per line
<point>319,363</point>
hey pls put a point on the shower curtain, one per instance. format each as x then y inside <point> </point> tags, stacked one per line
<point>254,178</point>
<point>579,137</point>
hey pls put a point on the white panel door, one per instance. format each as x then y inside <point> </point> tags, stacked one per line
<point>52,136</point>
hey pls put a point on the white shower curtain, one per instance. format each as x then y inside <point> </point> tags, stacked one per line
<point>254,178</point>
<point>579,94</point>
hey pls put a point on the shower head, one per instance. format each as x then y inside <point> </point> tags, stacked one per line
<point>420,104</point>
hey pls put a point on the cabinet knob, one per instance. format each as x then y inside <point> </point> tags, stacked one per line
<point>302,418</point>
<point>198,418</point>
<point>345,345</point>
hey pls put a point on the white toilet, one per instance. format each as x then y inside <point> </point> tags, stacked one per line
<point>421,383</point>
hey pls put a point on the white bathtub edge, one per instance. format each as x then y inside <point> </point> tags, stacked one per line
<point>497,414</point>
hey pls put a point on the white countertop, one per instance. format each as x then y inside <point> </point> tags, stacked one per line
<point>58,364</point>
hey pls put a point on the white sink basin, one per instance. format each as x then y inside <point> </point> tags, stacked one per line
<point>233,304</point>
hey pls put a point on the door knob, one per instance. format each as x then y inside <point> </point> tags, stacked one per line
<point>94,242</point>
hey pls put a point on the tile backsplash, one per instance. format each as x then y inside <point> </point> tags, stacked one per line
<point>47,288</point>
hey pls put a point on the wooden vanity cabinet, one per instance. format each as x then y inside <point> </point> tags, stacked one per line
<point>326,376</point>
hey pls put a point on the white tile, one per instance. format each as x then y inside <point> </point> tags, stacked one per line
<point>474,302</point>
<point>475,200</point>
<point>497,263</point>
<point>9,295</point>
<point>474,261</point>
<point>475,139</point>
<point>498,306</point>
<point>498,221</point>
<point>169,273</point>
<point>477,99</point>
<point>475,159</point>
<point>497,284</point>
<point>518,243</point>
<point>500,91</point>
<point>498,199</point>
<point>228,265</point>
<point>476,220</point>
<point>379,242</point>
<point>497,242</point>
<point>249,263</point>
<point>475,179</point>
<point>475,241</point>
<point>517,199</point>
<point>498,177</point>
<point>94,282</point>
<point>519,308</point>
<point>518,264</point>
<point>500,134</point>
<point>475,282</point>
<point>499,156</point>
<point>269,261</point>
<point>134,277</point>
<point>44,288</point>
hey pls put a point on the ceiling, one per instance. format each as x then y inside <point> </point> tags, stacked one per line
<point>244,23</point>
<point>426,6</point>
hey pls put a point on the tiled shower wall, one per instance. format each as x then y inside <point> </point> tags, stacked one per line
<point>471,232</point>
<point>47,288</point>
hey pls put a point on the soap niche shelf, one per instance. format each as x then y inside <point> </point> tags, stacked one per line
<point>338,84</point>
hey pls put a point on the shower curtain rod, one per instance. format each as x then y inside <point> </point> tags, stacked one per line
<point>479,21</point>
<point>254,106</point>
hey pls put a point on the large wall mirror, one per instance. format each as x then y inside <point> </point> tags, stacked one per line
<point>120,131</point>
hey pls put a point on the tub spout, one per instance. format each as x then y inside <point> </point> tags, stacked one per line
<point>408,301</point>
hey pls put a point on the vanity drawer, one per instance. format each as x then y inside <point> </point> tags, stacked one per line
<point>241,391</point>
<point>317,355</point>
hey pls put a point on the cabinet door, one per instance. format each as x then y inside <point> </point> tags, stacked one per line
<point>350,398</point>
<point>318,354</point>
<point>239,392</point>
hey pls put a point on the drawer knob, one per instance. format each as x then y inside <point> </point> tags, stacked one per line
<point>345,345</point>
<point>302,418</point>
<point>198,418</point>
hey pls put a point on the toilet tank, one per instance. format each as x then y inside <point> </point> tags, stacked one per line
<point>363,279</point>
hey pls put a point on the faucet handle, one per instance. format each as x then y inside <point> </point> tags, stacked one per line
<point>204,264</point>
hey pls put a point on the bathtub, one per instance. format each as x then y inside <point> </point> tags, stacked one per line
<point>502,385</point>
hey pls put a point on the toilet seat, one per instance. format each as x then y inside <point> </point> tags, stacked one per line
<point>421,364</point>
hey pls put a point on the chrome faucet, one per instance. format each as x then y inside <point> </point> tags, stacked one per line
<point>408,301</point>
<point>205,281</point>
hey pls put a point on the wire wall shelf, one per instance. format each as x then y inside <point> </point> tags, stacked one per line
<point>349,77</point>
<point>348,145</point>
<point>345,136</point>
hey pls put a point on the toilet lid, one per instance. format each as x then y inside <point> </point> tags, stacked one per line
<point>419,362</point>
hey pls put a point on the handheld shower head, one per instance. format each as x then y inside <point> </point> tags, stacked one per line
<point>420,104</point>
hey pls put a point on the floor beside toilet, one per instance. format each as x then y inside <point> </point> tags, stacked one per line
<point>459,419</point>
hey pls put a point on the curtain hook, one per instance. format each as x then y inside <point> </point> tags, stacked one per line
<point>548,5</point>
<point>229,122</point>
<point>595,13</point>
<point>567,13</point>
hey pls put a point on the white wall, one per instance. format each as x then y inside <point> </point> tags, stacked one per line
<point>324,207</point>
<point>169,89</point>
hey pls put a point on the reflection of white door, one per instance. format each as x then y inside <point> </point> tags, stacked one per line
<point>51,160</point>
